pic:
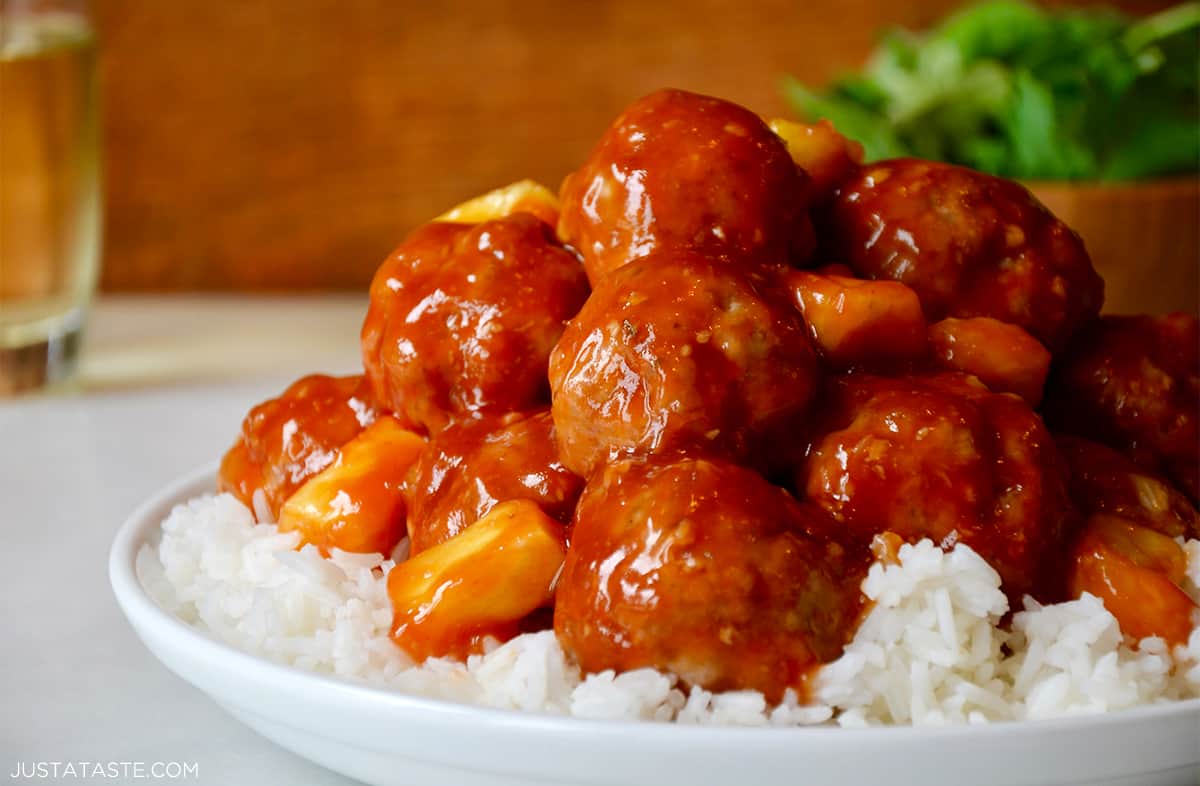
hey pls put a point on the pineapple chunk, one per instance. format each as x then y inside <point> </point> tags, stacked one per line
<point>355,503</point>
<point>1138,573</point>
<point>481,582</point>
<point>823,153</point>
<point>521,196</point>
<point>1003,356</point>
<point>859,323</point>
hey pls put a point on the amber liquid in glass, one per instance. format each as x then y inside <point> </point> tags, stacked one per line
<point>49,194</point>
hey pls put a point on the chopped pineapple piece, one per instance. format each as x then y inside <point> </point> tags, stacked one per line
<point>823,153</point>
<point>481,582</point>
<point>1004,357</point>
<point>855,322</point>
<point>355,503</point>
<point>521,196</point>
<point>1138,573</point>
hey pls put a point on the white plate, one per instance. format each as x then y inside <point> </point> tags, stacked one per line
<point>384,737</point>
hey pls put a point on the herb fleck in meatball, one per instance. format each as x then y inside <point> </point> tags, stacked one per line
<point>679,350</point>
<point>702,568</point>
<point>970,244</point>
<point>463,317</point>
<point>941,457</point>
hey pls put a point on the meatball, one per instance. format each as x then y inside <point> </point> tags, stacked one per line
<point>463,317</point>
<point>679,350</point>
<point>941,457</point>
<point>678,169</point>
<point>702,568</point>
<point>475,464</point>
<point>287,440</point>
<point>1133,383</point>
<point>1104,481</point>
<point>970,244</point>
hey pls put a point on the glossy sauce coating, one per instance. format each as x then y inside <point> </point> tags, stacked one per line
<point>523,196</point>
<point>488,582</point>
<point>289,439</point>
<point>678,170</point>
<point>941,457</point>
<point>1138,573</point>
<point>356,503</point>
<point>970,244</point>
<point>463,317</point>
<point>704,569</point>
<point>1104,481</point>
<point>1003,356</point>
<point>1133,383</point>
<point>475,464</point>
<point>680,350</point>
<point>874,325</point>
<point>706,366</point>
<point>827,157</point>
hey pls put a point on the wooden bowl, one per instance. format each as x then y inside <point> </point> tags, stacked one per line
<point>1144,239</point>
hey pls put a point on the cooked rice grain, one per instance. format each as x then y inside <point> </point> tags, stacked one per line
<point>929,652</point>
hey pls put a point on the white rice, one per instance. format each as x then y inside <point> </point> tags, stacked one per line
<point>929,652</point>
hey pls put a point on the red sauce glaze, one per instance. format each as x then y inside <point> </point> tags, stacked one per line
<point>941,457</point>
<point>638,428</point>
<point>970,244</point>
<point>1138,573</point>
<point>1133,383</point>
<point>463,317</point>
<point>678,169</point>
<point>1105,481</point>
<point>287,440</point>
<point>854,323</point>
<point>475,464</point>
<point>1004,357</point>
<point>702,568</point>
<point>827,157</point>
<point>681,350</point>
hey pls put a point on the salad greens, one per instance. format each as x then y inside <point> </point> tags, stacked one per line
<point>1018,91</point>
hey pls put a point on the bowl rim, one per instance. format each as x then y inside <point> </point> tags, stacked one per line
<point>1174,185</point>
<point>144,614</point>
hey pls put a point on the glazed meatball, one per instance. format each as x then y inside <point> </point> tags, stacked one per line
<point>287,440</point>
<point>970,244</point>
<point>678,169</point>
<point>941,457</point>
<point>1104,481</point>
<point>678,350</point>
<point>475,464</point>
<point>1133,383</point>
<point>702,568</point>
<point>463,317</point>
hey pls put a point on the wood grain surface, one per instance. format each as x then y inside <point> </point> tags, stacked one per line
<point>290,145</point>
<point>1144,239</point>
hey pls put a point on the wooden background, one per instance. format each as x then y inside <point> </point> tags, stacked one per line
<point>290,145</point>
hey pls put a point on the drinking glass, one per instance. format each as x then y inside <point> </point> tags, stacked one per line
<point>49,188</point>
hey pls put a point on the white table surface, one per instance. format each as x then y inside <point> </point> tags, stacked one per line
<point>164,385</point>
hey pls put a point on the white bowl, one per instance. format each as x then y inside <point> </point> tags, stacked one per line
<point>383,737</point>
